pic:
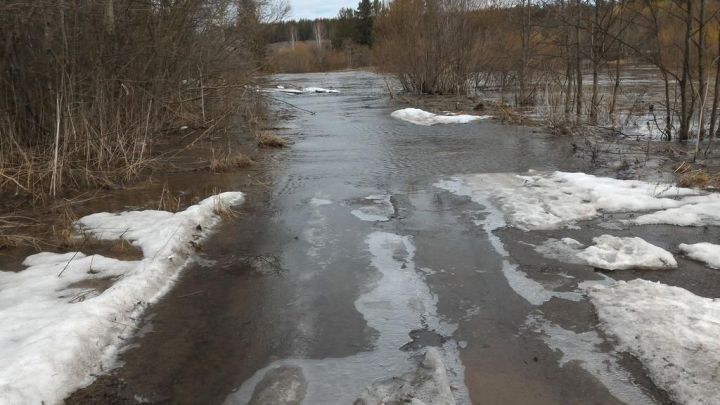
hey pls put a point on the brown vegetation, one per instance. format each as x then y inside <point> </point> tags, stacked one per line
<point>89,87</point>
<point>269,140</point>
<point>557,53</point>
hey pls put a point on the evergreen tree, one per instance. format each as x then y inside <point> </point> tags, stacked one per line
<point>365,23</point>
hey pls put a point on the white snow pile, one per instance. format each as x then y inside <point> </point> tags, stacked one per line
<point>56,331</point>
<point>379,208</point>
<point>622,253</point>
<point>283,89</point>
<point>421,117</point>
<point>609,253</point>
<point>560,199</point>
<point>707,253</point>
<point>673,332</point>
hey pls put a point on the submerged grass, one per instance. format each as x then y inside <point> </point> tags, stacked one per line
<point>269,140</point>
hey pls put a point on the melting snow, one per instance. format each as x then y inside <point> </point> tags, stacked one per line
<point>54,335</point>
<point>585,348</point>
<point>609,253</point>
<point>672,331</point>
<point>616,253</point>
<point>560,199</point>
<point>420,117</point>
<point>705,252</point>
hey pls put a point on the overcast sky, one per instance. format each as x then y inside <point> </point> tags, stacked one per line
<point>318,8</point>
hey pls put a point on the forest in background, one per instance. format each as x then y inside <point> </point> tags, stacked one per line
<point>323,44</point>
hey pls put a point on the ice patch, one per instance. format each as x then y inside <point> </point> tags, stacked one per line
<point>394,305</point>
<point>319,202</point>
<point>311,89</point>
<point>585,349</point>
<point>564,250</point>
<point>420,117</point>
<point>55,334</point>
<point>707,253</point>
<point>380,209</point>
<point>531,290</point>
<point>616,253</point>
<point>672,331</point>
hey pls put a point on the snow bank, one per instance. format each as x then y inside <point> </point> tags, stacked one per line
<point>283,89</point>
<point>705,252</point>
<point>618,253</point>
<point>56,330</point>
<point>560,199</point>
<point>673,332</point>
<point>420,117</point>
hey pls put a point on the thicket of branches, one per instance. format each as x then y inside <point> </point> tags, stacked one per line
<point>86,85</point>
<point>557,52</point>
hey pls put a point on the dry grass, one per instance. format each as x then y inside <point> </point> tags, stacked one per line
<point>169,201</point>
<point>223,162</point>
<point>223,209</point>
<point>267,139</point>
<point>689,176</point>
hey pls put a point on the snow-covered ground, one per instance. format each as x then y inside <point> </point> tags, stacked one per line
<point>56,331</point>
<point>559,199</point>
<point>673,332</point>
<point>421,117</point>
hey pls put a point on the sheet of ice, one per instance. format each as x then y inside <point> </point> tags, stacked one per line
<point>395,304</point>
<point>623,253</point>
<point>585,349</point>
<point>559,199</point>
<point>707,253</point>
<point>421,117</point>
<point>673,332</point>
<point>55,334</point>
<point>379,208</point>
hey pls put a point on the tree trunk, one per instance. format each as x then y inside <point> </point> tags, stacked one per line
<point>685,109</point>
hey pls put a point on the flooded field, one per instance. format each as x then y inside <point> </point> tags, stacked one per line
<point>371,266</point>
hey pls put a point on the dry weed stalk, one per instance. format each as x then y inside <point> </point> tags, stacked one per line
<point>269,140</point>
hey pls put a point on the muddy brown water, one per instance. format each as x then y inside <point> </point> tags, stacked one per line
<point>275,298</point>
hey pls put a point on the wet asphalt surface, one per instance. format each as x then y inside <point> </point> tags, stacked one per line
<point>274,296</point>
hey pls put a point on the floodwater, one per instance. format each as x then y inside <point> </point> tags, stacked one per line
<point>343,271</point>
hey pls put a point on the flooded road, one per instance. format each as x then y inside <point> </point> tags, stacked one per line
<point>337,280</point>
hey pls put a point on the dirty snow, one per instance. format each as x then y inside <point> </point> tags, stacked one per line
<point>672,331</point>
<point>708,253</point>
<point>55,334</point>
<point>622,253</point>
<point>609,253</point>
<point>560,199</point>
<point>376,208</point>
<point>532,291</point>
<point>706,211</point>
<point>421,117</point>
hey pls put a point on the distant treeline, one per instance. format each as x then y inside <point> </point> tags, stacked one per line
<point>350,26</point>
